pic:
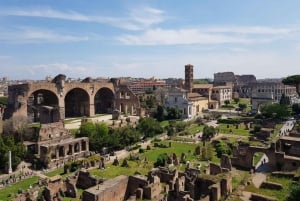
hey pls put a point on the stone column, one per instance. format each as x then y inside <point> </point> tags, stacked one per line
<point>9,163</point>
<point>92,110</point>
<point>57,153</point>
<point>62,113</point>
<point>87,145</point>
<point>80,146</point>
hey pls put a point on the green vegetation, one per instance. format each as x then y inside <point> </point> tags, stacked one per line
<point>193,129</point>
<point>201,81</point>
<point>293,80</point>
<point>279,194</point>
<point>241,130</point>
<point>256,158</point>
<point>294,192</point>
<point>7,143</point>
<point>13,190</point>
<point>275,110</point>
<point>208,133</point>
<point>151,156</point>
<point>111,171</point>
<point>3,100</point>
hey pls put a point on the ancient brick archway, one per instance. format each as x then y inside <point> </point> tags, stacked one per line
<point>243,156</point>
<point>69,98</point>
<point>42,100</point>
<point>77,103</point>
<point>104,101</point>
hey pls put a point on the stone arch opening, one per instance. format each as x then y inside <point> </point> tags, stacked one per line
<point>77,103</point>
<point>104,101</point>
<point>76,148</point>
<point>42,105</point>
<point>83,146</point>
<point>260,162</point>
<point>61,151</point>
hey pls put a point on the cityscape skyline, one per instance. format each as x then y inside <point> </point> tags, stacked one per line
<point>148,38</point>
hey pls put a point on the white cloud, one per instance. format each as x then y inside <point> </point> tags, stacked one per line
<point>57,68</point>
<point>34,35</point>
<point>250,30</point>
<point>210,35</point>
<point>137,19</point>
<point>180,37</point>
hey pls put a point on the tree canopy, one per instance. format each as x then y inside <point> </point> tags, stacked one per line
<point>293,80</point>
<point>18,150</point>
<point>275,110</point>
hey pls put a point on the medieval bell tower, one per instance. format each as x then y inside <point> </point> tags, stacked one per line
<point>189,76</point>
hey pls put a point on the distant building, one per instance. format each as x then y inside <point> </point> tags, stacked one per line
<point>189,77</point>
<point>140,87</point>
<point>222,94</point>
<point>270,92</point>
<point>191,104</point>
<point>241,84</point>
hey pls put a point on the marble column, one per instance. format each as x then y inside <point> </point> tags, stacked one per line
<point>9,163</point>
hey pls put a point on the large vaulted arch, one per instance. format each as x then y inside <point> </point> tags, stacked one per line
<point>77,103</point>
<point>104,101</point>
<point>42,105</point>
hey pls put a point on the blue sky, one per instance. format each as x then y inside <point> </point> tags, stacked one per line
<point>81,38</point>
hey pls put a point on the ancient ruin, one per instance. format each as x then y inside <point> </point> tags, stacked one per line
<point>60,98</point>
<point>54,145</point>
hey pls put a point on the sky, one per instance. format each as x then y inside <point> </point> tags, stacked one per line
<point>146,38</point>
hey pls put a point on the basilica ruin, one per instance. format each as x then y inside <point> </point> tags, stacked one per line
<point>60,98</point>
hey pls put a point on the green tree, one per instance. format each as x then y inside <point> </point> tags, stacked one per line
<point>293,80</point>
<point>149,127</point>
<point>208,133</point>
<point>174,113</point>
<point>275,110</point>
<point>226,102</point>
<point>206,152</point>
<point>295,192</point>
<point>160,113</point>
<point>87,129</point>
<point>284,100</point>
<point>242,106</point>
<point>18,151</point>
<point>161,160</point>
<point>296,108</point>
<point>236,100</point>
<point>222,148</point>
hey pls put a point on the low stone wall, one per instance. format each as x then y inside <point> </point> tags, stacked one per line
<point>271,185</point>
<point>283,174</point>
<point>257,197</point>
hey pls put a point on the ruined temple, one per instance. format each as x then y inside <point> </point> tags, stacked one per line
<point>54,145</point>
<point>60,98</point>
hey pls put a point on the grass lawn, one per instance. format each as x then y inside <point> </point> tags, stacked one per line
<point>194,128</point>
<point>112,171</point>
<point>164,123</point>
<point>176,148</point>
<point>279,194</point>
<point>13,190</point>
<point>240,131</point>
<point>151,155</point>
<point>256,158</point>
<point>59,171</point>
<point>239,177</point>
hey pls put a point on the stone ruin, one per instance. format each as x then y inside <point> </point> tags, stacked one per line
<point>54,145</point>
<point>125,187</point>
<point>193,185</point>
